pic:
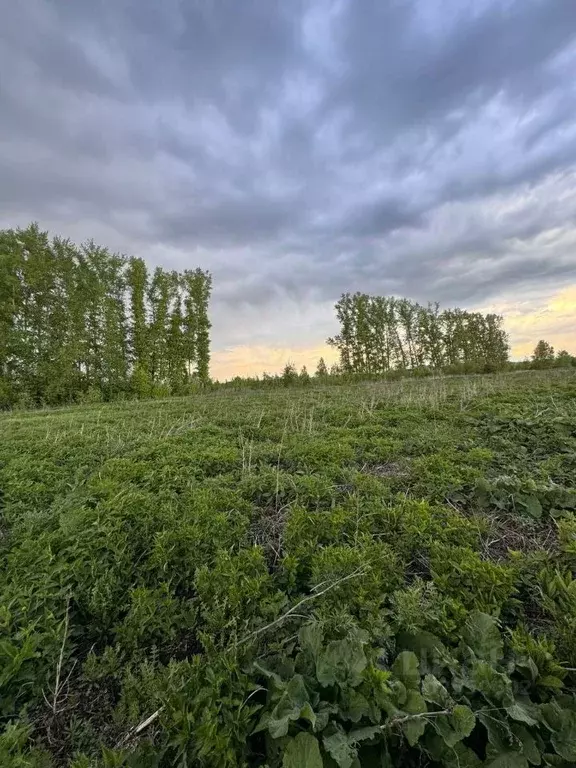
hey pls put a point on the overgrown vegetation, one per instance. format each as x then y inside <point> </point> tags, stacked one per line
<point>291,377</point>
<point>81,324</point>
<point>369,575</point>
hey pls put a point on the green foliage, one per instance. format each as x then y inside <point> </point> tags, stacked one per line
<point>348,575</point>
<point>335,699</point>
<point>477,583</point>
<point>321,369</point>
<point>543,353</point>
<point>66,335</point>
<point>379,333</point>
<point>524,496</point>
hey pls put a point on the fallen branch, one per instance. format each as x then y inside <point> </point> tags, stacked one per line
<point>57,686</point>
<point>418,716</point>
<point>139,728</point>
<point>358,572</point>
<point>61,659</point>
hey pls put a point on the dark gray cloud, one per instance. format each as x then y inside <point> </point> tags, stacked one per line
<point>299,149</point>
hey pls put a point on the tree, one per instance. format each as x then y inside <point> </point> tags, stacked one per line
<point>378,333</point>
<point>564,359</point>
<point>159,301</point>
<point>289,374</point>
<point>114,328</point>
<point>543,354</point>
<point>321,369</point>
<point>82,321</point>
<point>176,357</point>
<point>197,287</point>
<point>203,288</point>
<point>137,284</point>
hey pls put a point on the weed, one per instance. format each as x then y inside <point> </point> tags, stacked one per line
<point>379,573</point>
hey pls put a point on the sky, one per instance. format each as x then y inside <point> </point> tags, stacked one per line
<point>299,149</point>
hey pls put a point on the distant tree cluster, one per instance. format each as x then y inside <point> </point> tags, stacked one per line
<point>383,333</point>
<point>80,323</point>
<point>545,357</point>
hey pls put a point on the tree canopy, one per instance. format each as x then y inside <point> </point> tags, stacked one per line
<point>381,333</point>
<point>80,322</point>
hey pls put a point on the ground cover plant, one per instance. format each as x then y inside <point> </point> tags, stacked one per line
<point>369,575</point>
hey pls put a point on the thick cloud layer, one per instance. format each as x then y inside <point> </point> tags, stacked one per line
<point>300,149</point>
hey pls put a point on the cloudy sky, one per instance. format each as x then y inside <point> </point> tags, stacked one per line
<point>302,148</point>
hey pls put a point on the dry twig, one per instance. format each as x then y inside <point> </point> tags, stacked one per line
<point>358,572</point>
<point>291,612</point>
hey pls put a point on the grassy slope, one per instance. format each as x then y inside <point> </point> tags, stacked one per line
<point>138,533</point>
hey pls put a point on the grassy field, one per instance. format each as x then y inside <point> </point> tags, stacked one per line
<point>379,575</point>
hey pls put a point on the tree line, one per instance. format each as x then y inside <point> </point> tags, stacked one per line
<point>80,323</point>
<point>383,333</point>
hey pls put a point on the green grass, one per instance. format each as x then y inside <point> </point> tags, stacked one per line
<point>232,561</point>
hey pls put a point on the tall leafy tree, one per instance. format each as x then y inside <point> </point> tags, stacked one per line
<point>197,286</point>
<point>378,333</point>
<point>115,328</point>
<point>137,284</point>
<point>159,302</point>
<point>175,339</point>
<point>11,311</point>
<point>321,369</point>
<point>543,353</point>
<point>78,321</point>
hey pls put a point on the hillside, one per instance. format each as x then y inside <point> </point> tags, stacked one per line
<point>370,575</point>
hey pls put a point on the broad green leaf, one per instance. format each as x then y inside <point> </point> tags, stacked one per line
<point>302,752</point>
<point>263,723</point>
<point>461,757</point>
<point>456,726</point>
<point>524,713</point>
<point>354,706</point>
<point>450,737</point>
<point>413,730</point>
<point>434,692</point>
<point>494,685</point>
<point>362,734</point>
<point>553,760</point>
<point>415,703</point>
<point>562,723</point>
<point>463,720</point>
<point>289,708</point>
<point>528,663</point>
<point>269,674</point>
<point>434,744</point>
<point>552,715</point>
<point>310,637</point>
<point>528,742</point>
<point>278,726</point>
<point>564,740</point>
<point>457,756</point>
<point>398,693</point>
<point>323,715</point>
<point>406,669</point>
<point>499,734</point>
<point>532,506</point>
<point>482,635</point>
<point>551,681</point>
<point>297,692</point>
<point>340,749</point>
<point>307,713</point>
<point>509,760</point>
<point>343,662</point>
<point>430,650</point>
